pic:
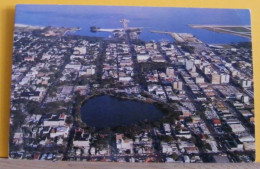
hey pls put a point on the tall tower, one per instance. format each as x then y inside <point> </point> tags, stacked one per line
<point>125,23</point>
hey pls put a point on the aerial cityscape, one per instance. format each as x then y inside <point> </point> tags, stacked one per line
<point>109,93</point>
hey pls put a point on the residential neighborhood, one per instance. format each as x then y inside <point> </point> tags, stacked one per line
<point>205,93</point>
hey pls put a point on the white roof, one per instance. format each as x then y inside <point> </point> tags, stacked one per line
<point>237,128</point>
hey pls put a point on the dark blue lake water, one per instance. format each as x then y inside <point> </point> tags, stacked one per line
<point>106,111</point>
<point>151,18</point>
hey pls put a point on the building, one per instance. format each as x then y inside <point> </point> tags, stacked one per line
<point>90,71</point>
<point>237,128</point>
<point>31,59</point>
<point>35,95</point>
<point>215,78</point>
<point>246,83</point>
<point>125,79</point>
<point>245,99</point>
<point>170,71</point>
<point>55,120</point>
<point>206,70</point>
<point>216,122</point>
<point>123,144</point>
<point>189,64</point>
<point>199,79</point>
<point>76,57</point>
<point>150,45</point>
<point>59,131</point>
<point>142,58</point>
<point>186,159</point>
<point>177,85</point>
<point>80,50</point>
<point>224,78</point>
<point>167,128</point>
<point>73,65</point>
<point>168,148</point>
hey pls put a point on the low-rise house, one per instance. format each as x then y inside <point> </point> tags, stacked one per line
<point>168,148</point>
<point>125,79</point>
<point>167,128</point>
<point>34,95</point>
<point>123,144</point>
<point>237,128</point>
<point>82,140</point>
<point>59,131</point>
<point>55,120</point>
<point>216,122</point>
<point>18,138</point>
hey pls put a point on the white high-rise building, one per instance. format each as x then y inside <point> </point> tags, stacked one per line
<point>246,83</point>
<point>215,78</point>
<point>170,71</point>
<point>206,70</point>
<point>193,70</point>
<point>177,85</point>
<point>189,64</point>
<point>245,99</point>
<point>224,78</point>
<point>199,79</point>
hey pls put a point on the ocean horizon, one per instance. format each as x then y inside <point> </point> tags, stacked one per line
<point>150,18</point>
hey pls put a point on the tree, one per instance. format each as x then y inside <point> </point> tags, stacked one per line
<point>166,138</point>
<point>69,120</point>
<point>193,140</point>
<point>207,146</point>
<point>34,108</point>
<point>100,143</point>
<point>128,151</point>
<point>106,130</point>
<point>187,48</point>
<point>175,156</point>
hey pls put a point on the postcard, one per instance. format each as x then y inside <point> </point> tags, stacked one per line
<point>132,84</point>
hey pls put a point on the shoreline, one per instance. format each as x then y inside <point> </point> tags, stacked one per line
<point>160,105</point>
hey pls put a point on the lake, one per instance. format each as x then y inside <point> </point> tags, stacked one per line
<point>150,18</point>
<point>106,111</point>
